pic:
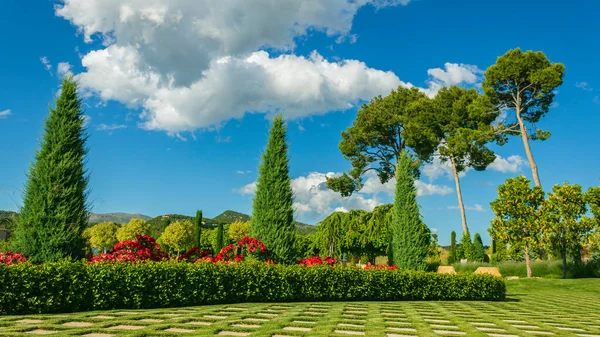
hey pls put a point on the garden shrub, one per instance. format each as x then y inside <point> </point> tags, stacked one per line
<point>67,287</point>
<point>545,269</point>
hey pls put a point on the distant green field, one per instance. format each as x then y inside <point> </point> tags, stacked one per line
<point>536,307</point>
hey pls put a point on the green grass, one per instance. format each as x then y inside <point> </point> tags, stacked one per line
<point>559,307</point>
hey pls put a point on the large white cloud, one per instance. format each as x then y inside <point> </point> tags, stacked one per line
<point>191,64</point>
<point>313,201</point>
<point>438,169</point>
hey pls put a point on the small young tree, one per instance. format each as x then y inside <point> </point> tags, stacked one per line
<point>433,255</point>
<point>133,228</point>
<point>331,234</point>
<point>478,249</point>
<point>452,254</point>
<point>524,83</point>
<point>518,217</point>
<point>465,249</point>
<point>566,227</point>
<point>197,228</point>
<point>179,236</point>
<point>411,236</point>
<point>219,239</point>
<point>103,236</point>
<point>55,211</point>
<point>273,213</point>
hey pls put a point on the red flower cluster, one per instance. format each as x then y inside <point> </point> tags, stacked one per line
<point>246,247</point>
<point>143,248</point>
<point>194,254</point>
<point>380,266</point>
<point>11,257</point>
<point>317,261</point>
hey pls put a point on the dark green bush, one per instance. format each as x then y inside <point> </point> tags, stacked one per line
<point>67,287</point>
<point>545,269</point>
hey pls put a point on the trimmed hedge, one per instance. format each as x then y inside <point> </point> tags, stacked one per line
<point>68,287</point>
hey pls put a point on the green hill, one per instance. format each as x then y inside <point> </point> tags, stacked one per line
<point>119,218</point>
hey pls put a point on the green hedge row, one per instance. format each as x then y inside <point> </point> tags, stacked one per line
<point>68,287</point>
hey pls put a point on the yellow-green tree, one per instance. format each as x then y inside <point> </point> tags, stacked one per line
<point>518,217</point>
<point>566,226</point>
<point>179,236</point>
<point>103,236</point>
<point>238,230</point>
<point>133,228</point>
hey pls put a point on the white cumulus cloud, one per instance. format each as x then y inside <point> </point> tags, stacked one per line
<point>512,164</point>
<point>64,68</point>
<point>474,208</point>
<point>314,201</point>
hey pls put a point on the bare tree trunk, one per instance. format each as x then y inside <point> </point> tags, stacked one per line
<point>528,261</point>
<point>524,136</point>
<point>461,205</point>
<point>331,247</point>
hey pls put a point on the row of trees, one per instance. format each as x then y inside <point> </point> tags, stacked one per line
<point>560,224</point>
<point>456,125</point>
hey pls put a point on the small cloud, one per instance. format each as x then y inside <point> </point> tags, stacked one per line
<point>484,183</point>
<point>324,125</point>
<point>512,164</point>
<point>433,230</point>
<point>583,85</point>
<point>554,105</point>
<point>110,127</point>
<point>5,113</point>
<point>86,120</point>
<point>301,128</point>
<point>596,100</point>
<point>243,172</point>
<point>219,139</point>
<point>46,63</point>
<point>474,208</point>
<point>64,69</point>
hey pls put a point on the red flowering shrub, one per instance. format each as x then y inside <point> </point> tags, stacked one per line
<point>143,248</point>
<point>11,257</point>
<point>194,254</point>
<point>380,266</point>
<point>317,261</point>
<point>245,248</point>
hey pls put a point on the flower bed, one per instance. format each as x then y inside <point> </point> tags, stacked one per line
<point>68,287</point>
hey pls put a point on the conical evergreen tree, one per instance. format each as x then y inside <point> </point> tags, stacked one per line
<point>55,211</point>
<point>411,237</point>
<point>478,249</point>
<point>452,253</point>
<point>219,239</point>
<point>198,228</point>
<point>272,214</point>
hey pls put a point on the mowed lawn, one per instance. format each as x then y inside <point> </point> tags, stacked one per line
<point>535,307</point>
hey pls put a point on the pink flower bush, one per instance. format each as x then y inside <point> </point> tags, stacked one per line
<point>11,257</point>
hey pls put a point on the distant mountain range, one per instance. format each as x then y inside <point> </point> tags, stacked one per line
<point>226,217</point>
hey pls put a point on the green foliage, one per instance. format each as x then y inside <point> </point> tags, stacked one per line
<point>208,240</point>
<point>197,228</point>
<point>103,236</point>
<point>518,219</point>
<point>55,211</point>
<point>452,254</point>
<point>465,249</point>
<point>179,236</point>
<point>219,243</point>
<point>238,230</point>
<point>565,227</point>
<point>411,236</point>
<point>546,269</point>
<point>433,255</point>
<point>499,251</point>
<point>331,234</point>
<point>27,288</point>
<point>133,228</point>
<point>479,254</point>
<point>524,80</point>
<point>381,132</point>
<point>305,247</point>
<point>273,215</point>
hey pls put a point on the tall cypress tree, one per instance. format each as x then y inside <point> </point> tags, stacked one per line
<point>478,249</point>
<point>197,228</point>
<point>272,214</point>
<point>219,239</point>
<point>411,237</point>
<point>452,253</point>
<point>55,211</point>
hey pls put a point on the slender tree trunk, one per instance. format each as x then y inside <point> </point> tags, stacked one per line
<point>524,136</point>
<point>331,246</point>
<point>461,205</point>
<point>528,261</point>
<point>564,259</point>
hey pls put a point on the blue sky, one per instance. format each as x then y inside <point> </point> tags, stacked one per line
<point>180,93</point>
